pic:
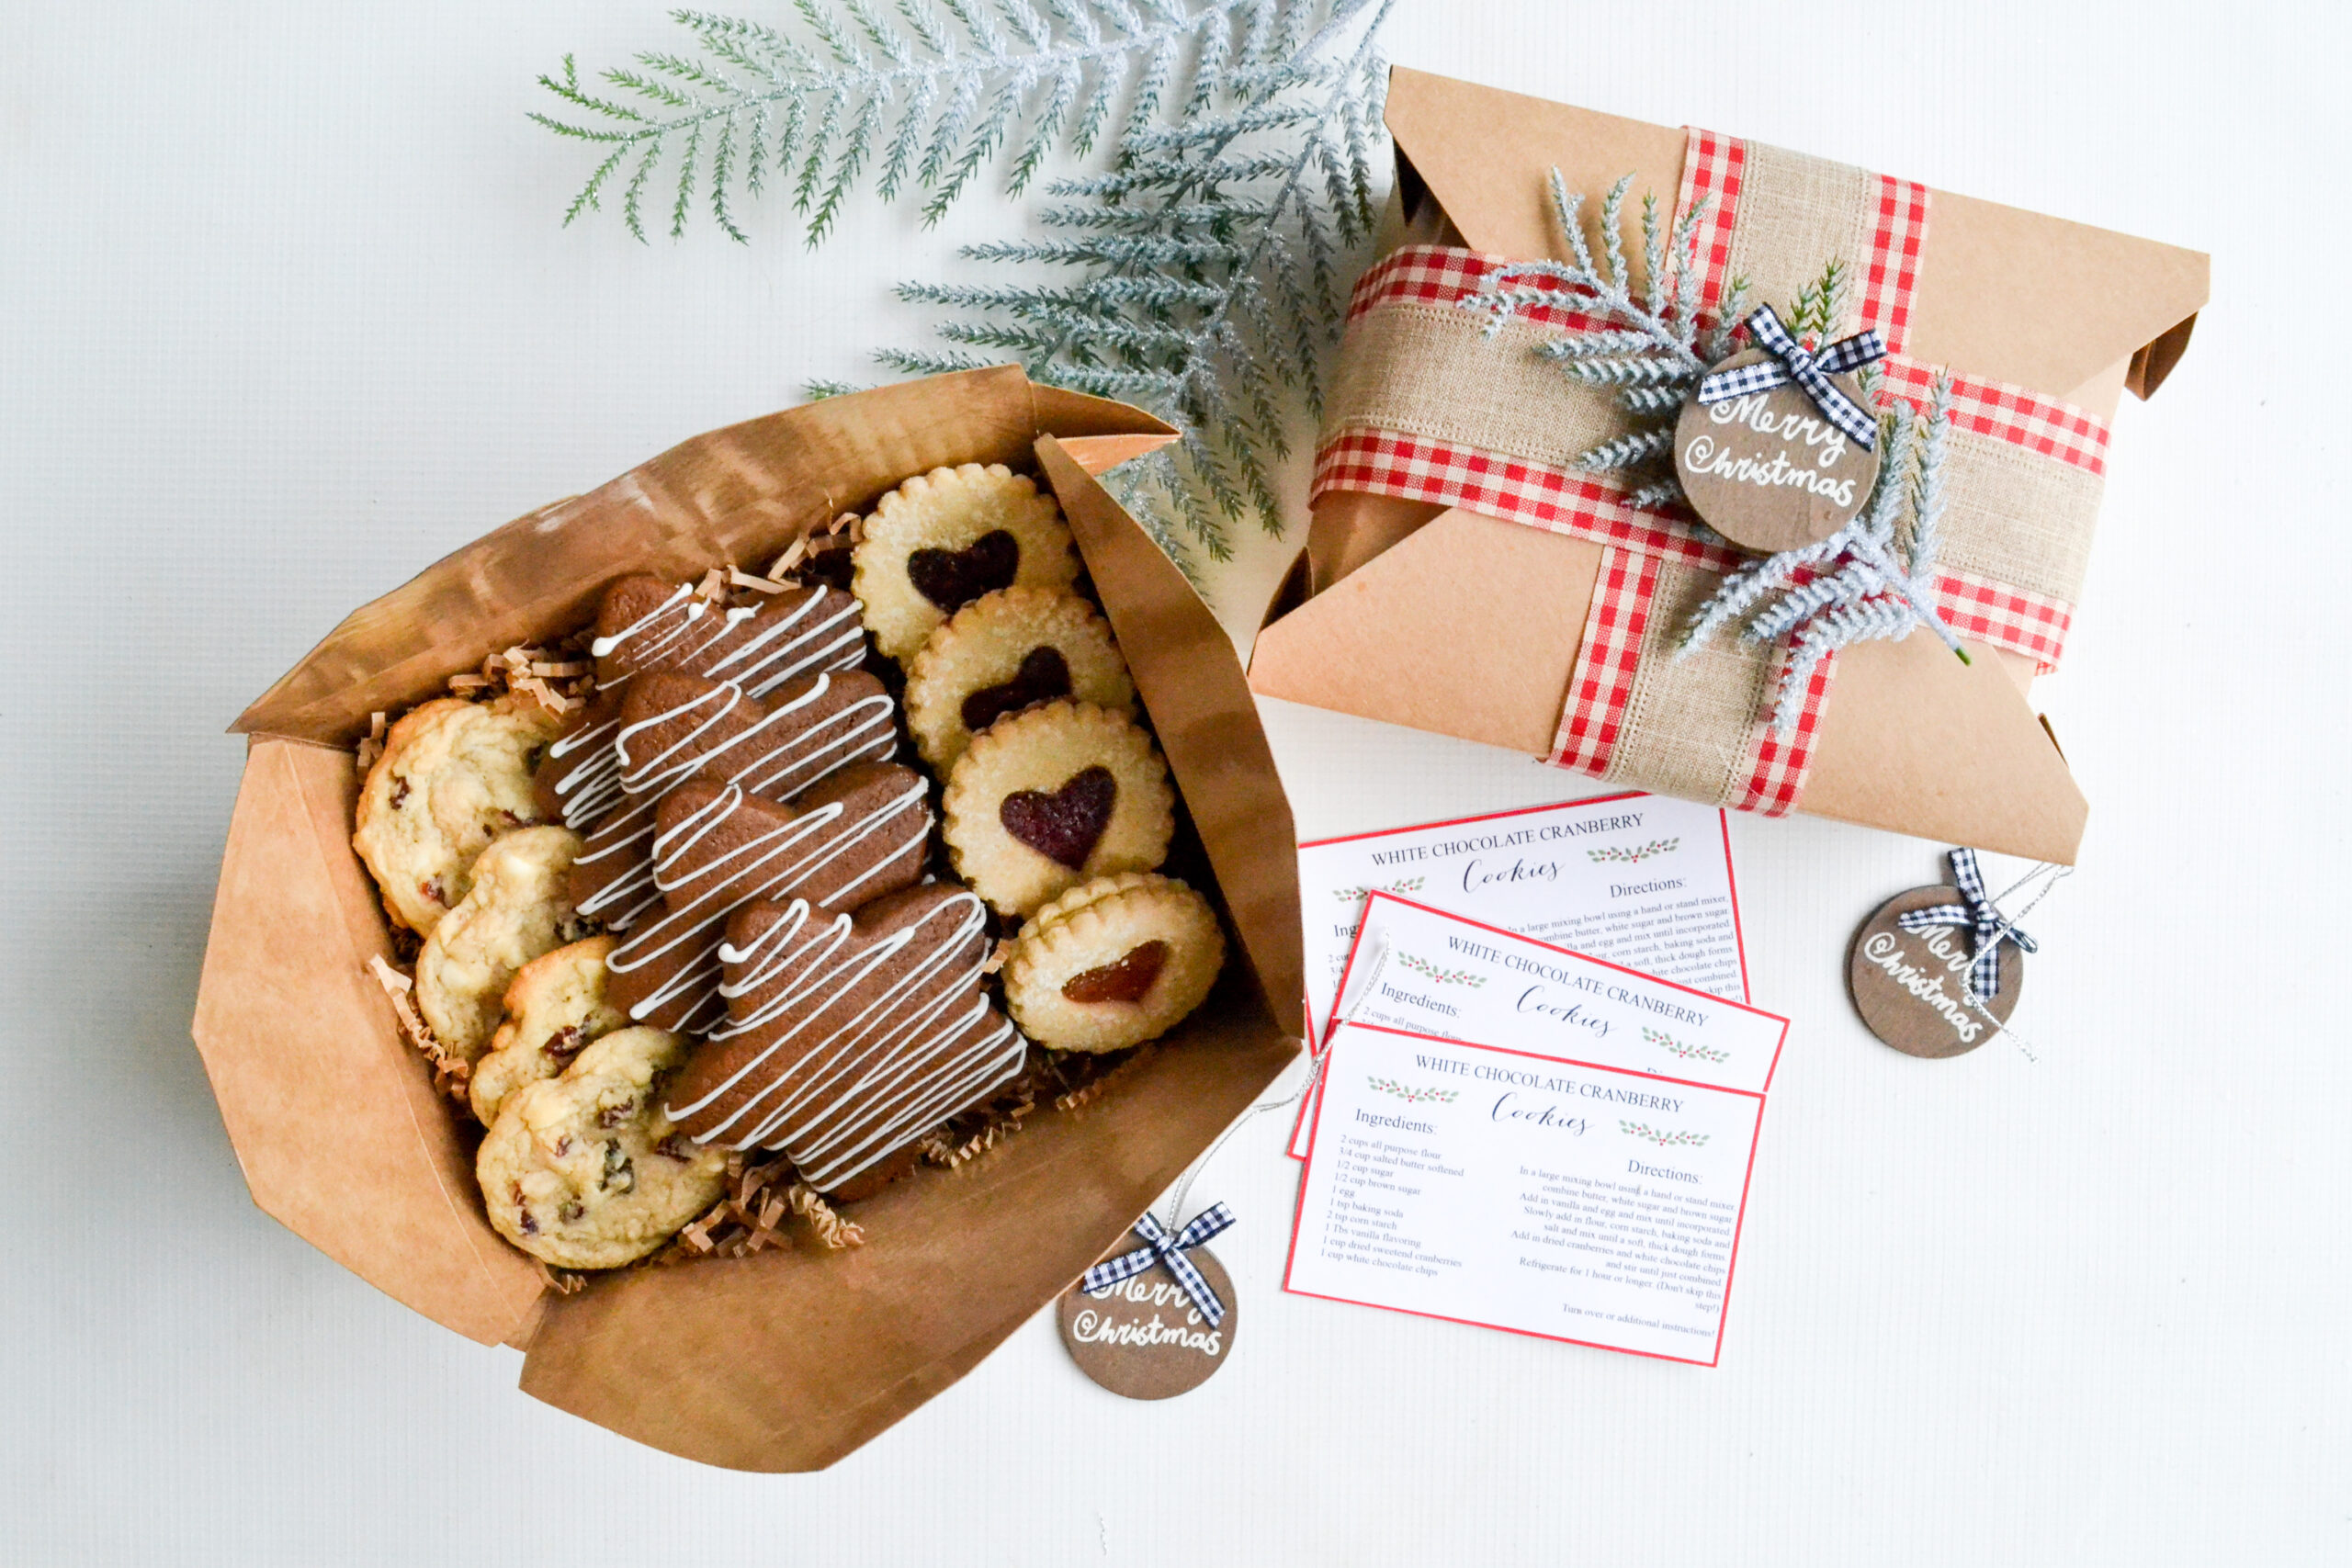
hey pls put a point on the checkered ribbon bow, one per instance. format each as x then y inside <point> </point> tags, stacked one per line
<point>1985,971</point>
<point>1168,1249</point>
<point>1791,362</point>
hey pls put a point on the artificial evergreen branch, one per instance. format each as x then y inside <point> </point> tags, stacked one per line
<point>1208,266</point>
<point>1655,355</point>
<point>1869,580</point>
<point>920,101</point>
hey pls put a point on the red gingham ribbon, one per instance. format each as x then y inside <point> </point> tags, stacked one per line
<point>1567,500</point>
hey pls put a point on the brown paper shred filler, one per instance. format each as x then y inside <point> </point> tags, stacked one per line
<point>449,1072</point>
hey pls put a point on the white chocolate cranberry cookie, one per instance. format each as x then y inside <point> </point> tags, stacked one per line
<point>1006,651</point>
<point>584,1170</point>
<point>555,1007</point>
<point>1112,964</point>
<point>519,906</point>
<point>454,775</point>
<point>943,538</point>
<point>1049,798</point>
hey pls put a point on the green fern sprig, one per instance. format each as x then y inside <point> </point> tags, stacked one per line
<point>1209,262</point>
<point>924,99</point>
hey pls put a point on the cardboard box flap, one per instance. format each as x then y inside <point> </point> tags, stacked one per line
<point>722,493</point>
<point>310,1072</point>
<point>1200,705</point>
<point>788,1360</point>
<point>2060,308</point>
<point>1470,627</point>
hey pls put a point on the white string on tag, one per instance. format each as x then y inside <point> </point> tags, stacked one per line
<point>2056,873</point>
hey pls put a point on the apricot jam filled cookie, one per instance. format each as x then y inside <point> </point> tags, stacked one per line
<point>1054,796</point>
<point>943,538</point>
<point>454,775</point>
<point>584,1170</point>
<point>1006,651</point>
<point>1112,964</point>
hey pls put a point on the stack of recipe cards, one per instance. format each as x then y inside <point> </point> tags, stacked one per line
<point>1549,1133</point>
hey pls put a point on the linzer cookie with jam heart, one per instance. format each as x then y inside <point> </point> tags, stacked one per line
<point>677,730</point>
<point>1112,964</point>
<point>1006,651</point>
<point>648,626</point>
<point>945,538</point>
<point>849,1037</point>
<point>1052,797</point>
<point>857,836</point>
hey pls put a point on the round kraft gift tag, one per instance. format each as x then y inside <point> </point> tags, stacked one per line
<point>1911,988</point>
<point>1768,471</point>
<point>1143,1337</point>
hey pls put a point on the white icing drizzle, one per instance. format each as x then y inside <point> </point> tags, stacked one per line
<point>835,643</point>
<point>874,1059</point>
<point>597,779</point>
<point>767,866</point>
<point>859,732</point>
<point>603,646</point>
<point>783,650</point>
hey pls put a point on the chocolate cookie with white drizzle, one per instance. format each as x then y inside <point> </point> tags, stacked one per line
<point>647,625</point>
<point>860,835</point>
<point>677,730</point>
<point>848,1037</point>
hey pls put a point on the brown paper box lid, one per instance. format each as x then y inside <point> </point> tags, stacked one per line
<point>1471,626</point>
<point>2014,296</point>
<point>786,1360</point>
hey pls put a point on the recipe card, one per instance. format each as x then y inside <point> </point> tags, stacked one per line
<point>1570,1160</point>
<point>1644,880</point>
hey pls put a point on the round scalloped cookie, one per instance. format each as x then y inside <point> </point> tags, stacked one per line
<point>943,538</point>
<point>1112,964</point>
<point>554,1008</point>
<point>518,908</point>
<point>1006,651</point>
<point>584,1170</point>
<point>1056,795</point>
<point>454,775</point>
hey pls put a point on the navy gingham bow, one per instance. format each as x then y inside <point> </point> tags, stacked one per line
<point>1985,971</point>
<point>1168,1249</point>
<point>1791,362</point>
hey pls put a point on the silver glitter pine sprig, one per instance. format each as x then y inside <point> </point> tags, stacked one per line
<point>914,97</point>
<point>1653,357</point>
<point>1208,276</point>
<point>1868,581</point>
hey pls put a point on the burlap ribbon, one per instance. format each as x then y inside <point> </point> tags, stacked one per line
<point>1426,408</point>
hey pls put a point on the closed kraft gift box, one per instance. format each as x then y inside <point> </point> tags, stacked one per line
<point>1464,575</point>
<point>788,1358</point>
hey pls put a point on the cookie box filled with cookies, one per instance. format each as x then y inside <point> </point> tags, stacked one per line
<point>751,935</point>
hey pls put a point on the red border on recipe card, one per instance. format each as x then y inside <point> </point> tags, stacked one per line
<point>1739,1224</point>
<point>1515,936</point>
<point>1318,1033</point>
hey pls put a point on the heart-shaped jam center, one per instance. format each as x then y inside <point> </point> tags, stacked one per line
<point>1127,978</point>
<point>1043,676</point>
<point>952,579</point>
<point>1063,825</point>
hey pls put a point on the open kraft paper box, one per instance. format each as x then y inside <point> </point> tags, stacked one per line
<point>789,1359</point>
<point>1463,576</point>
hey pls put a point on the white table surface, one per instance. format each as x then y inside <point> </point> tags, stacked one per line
<point>286,312</point>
